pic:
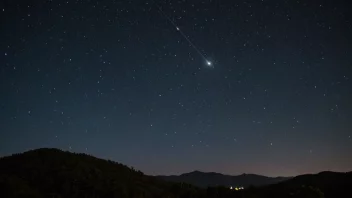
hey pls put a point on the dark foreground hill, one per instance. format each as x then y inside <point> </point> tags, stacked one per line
<point>57,174</point>
<point>204,180</point>
<point>333,184</point>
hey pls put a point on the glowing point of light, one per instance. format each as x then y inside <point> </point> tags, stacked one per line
<point>209,63</point>
<point>177,28</point>
<point>236,188</point>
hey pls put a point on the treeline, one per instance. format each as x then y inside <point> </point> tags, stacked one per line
<point>54,173</point>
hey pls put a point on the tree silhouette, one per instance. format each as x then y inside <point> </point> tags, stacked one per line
<point>54,173</point>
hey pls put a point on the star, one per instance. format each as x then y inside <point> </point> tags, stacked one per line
<point>209,63</point>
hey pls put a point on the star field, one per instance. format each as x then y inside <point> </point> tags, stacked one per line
<point>266,90</point>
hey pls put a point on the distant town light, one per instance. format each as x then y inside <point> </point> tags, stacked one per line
<point>236,188</point>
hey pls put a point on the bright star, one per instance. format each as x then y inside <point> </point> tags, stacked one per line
<point>209,63</point>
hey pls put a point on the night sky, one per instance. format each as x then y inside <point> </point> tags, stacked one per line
<point>129,81</point>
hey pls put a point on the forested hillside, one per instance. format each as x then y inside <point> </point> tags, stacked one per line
<point>58,174</point>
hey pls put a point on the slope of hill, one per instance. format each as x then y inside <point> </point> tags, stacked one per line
<point>211,179</point>
<point>332,184</point>
<point>55,173</point>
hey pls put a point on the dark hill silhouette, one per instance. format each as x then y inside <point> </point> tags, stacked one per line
<point>54,173</point>
<point>333,184</point>
<point>211,179</point>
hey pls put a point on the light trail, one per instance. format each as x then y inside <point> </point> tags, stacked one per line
<point>209,63</point>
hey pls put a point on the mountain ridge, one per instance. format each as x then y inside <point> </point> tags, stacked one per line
<point>211,179</point>
<point>217,173</point>
<point>56,173</point>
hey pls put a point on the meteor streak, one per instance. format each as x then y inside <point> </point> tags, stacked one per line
<point>208,63</point>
